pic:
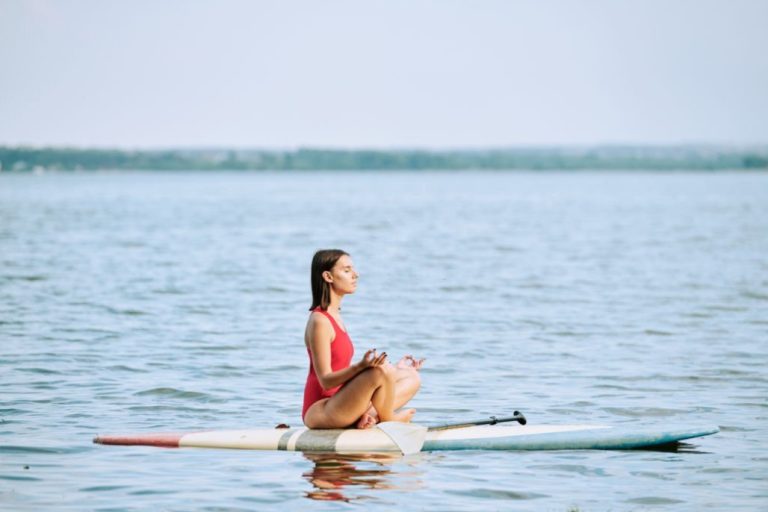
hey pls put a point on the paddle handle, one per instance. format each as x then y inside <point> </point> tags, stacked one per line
<point>517,416</point>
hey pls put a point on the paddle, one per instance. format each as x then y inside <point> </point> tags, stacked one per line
<point>410,437</point>
<point>518,417</point>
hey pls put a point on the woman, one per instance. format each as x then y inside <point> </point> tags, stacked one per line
<point>339,394</point>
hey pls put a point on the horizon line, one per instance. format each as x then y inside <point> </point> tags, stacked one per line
<point>422,148</point>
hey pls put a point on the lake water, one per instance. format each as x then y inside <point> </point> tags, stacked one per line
<point>139,302</point>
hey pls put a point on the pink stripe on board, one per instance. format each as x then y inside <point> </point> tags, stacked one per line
<point>168,440</point>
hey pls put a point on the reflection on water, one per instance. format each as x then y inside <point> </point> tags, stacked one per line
<point>676,447</point>
<point>339,477</point>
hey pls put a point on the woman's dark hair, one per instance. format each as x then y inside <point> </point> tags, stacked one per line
<point>324,260</point>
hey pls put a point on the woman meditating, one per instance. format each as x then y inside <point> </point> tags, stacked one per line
<point>339,394</point>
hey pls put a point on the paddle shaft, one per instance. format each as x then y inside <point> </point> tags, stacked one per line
<point>518,417</point>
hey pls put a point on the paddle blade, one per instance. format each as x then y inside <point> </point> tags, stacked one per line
<point>407,436</point>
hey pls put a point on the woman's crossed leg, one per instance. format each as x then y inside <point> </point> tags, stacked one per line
<point>375,386</point>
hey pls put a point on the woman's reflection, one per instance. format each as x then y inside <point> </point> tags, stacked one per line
<point>333,472</point>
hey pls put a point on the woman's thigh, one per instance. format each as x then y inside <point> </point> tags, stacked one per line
<point>348,404</point>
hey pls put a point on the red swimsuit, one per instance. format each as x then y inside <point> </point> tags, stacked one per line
<point>341,355</point>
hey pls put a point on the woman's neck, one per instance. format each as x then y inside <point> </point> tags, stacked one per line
<point>335,304</point>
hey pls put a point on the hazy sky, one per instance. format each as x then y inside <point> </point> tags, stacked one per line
<point>382,74</point>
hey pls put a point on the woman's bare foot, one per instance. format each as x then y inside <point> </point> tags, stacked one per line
<point>404,415</point>
<point>366,421</point>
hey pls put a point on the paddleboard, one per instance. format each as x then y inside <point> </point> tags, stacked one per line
<point>485,437</point>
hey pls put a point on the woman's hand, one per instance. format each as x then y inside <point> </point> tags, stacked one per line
<point>371,359</point>
<point>409,362</point>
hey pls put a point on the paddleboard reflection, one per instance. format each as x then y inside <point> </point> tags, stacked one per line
<point>346,477</point>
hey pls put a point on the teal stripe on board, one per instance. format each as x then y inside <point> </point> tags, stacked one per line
<point>597,439</point>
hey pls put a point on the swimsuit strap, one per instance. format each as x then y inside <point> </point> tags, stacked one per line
<point>330,317</point>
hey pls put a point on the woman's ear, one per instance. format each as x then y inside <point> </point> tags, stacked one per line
<point>327,277</point>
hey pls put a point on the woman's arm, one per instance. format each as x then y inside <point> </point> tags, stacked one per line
<point>319,338</point>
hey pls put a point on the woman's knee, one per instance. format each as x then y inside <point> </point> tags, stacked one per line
<point>416,380</point>
<point>412,382</point>
<point>377,374</point>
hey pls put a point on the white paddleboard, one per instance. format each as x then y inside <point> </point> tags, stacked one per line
<point>488,437</point>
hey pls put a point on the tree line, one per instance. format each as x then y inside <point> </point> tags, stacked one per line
<point>23,159</point>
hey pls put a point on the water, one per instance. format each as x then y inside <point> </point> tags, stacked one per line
<point>177,301</point>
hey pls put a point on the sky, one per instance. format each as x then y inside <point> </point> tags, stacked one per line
<point>382,74</point>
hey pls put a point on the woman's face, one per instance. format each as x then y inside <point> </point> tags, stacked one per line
<point>343,276</point>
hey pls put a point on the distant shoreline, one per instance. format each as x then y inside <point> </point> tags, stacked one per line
<point>680,158</point>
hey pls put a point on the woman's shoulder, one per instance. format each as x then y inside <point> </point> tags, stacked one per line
<point>318,317</point>
<point>319,327</point>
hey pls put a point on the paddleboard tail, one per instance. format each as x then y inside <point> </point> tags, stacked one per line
<point>162,440</point>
